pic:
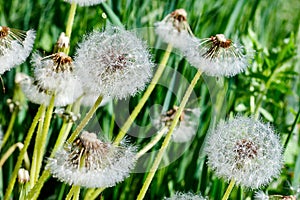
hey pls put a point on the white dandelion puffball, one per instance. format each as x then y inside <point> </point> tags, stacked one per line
<point>174,29</point>
<point>245,150</point>
<point>90,162</point>
<point>85,2</point>
<point>52,75</point>
<point>218,56</point>
<point>113,63</point>
<point>186,127</point>
<point>15,47</point>
<point>185,196</point>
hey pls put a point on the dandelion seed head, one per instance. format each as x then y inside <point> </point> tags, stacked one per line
<point>245,150</point>
<point>52,75</point>
<point>186,127</point>
<point>113,63</point>
<point>85,2</point>
<point>15,47</point>
<point>174,29</point>
<point>218,56</point>
<point>91,162</point>
<point>185,196</point>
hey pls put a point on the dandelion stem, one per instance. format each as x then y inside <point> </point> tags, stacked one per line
<point>71,19</point>
<point>85,120</point>
<point>229,189</point>
<point>292,129</point>
<point>168,137</point>
<point>111,15</point>
<point>33,174</point>
<point>70,22</point>
<point>23,151</point>
<point>146,95</point>
<point>10,127</point>
<point>96,193</point>
<point>43,139</point>
<point>70,194</point>
<point>35,191</point>
<point>152,142</point>
<point>11,150</point>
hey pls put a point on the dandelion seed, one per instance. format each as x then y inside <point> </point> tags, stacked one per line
<point>52,75</point>
<point>174,29</point>
<point>245,150</point>
<point>90,162</point>
<point>113,63</point>
<point>218,56</point>
<point>63,41</point>
<point>15,47</point>
<point>185,196</point>
<point>260,195</point>
<point>186,127</point>
<point>85,2</point>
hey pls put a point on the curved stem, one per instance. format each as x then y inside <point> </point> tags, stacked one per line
<point>151,143</point>
<point>11,150</point>
<point>85,120</point>
<point>168,137</point>
<point>10,127</point>
<point>229,189</point>
<point>23,151</point>
<point>145,97</point>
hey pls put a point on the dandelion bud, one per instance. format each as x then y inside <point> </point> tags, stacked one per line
<point>113,63</point>
<point>246,151</point>
<point>63,41</point>
<point>218,56</point>
<point>15,47</point>
<point>52,75</point>
<point>174,28</point>
<point>23,176</point>
<point>91,162</point>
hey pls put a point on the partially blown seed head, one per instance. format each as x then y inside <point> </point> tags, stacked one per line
<point>52,75</point>
<point>218,56</point>
<point>90,162</point>
<point>174,29</point>
<point>245,150</point>
<point>15,47</point>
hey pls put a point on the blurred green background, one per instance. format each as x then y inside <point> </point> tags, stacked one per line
<point>271,83</point>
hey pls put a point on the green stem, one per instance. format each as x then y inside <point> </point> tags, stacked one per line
<point>10,127</point>
<point>70,22</point>
<point>85,120</point>
<point>111,15</point>
<point>43,140</point>
<point>11,150</point>
<point>70,194</point>
<point>76,192</point>
<point>152,142</point>
<point>95,194</point>
<point>33,175</point>
<point>168,137</point>
<point>35,191</point>
<point>229,189</point>
<point>23,151</point>
<point>145,97</point>
<point>292,129</point>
